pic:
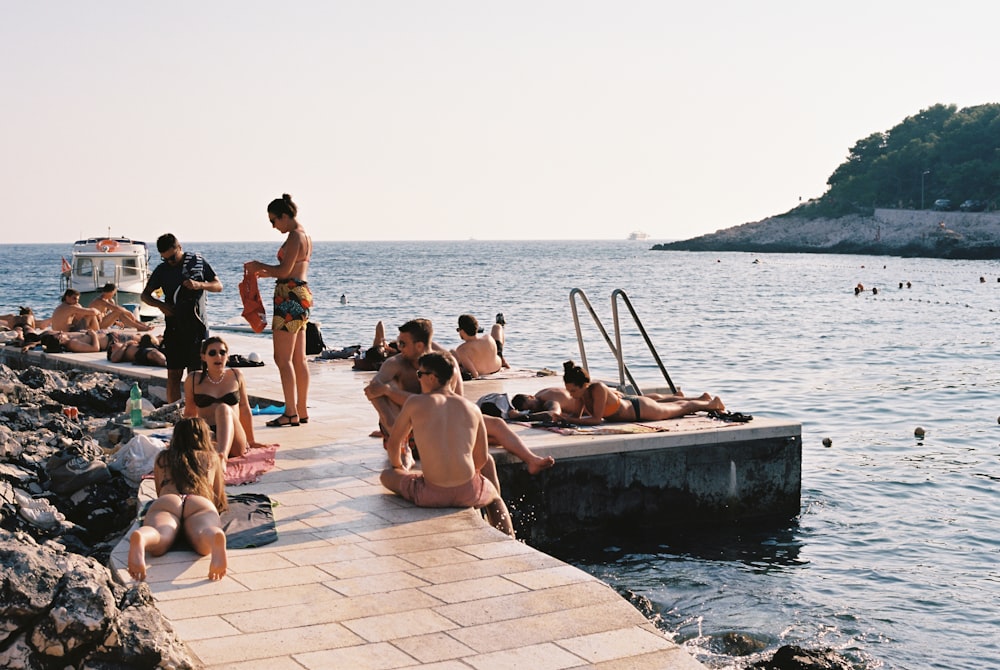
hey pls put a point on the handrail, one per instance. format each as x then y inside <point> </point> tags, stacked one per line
<point>619,293</point>
<point>616,346</point>
<point>623,371</point>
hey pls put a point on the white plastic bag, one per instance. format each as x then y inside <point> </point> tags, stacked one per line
<point>136,458</point>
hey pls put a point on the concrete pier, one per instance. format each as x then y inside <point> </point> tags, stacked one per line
<point>361,579</point>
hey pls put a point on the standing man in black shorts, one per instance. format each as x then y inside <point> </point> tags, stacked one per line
<point>183,276</point>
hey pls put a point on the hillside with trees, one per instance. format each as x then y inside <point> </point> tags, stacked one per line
<point>940,154</point>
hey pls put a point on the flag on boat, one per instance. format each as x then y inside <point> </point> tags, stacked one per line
<point>65,266</point>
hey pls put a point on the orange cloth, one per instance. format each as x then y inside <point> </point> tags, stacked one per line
<point>253,306</point>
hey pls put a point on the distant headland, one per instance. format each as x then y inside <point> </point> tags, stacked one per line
<point>896,194</point>
<point>890,232</point>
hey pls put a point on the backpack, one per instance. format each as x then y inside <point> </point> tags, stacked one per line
<point>314,339</point>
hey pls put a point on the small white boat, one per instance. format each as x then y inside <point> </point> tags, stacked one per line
<point>638,235</point>
<point>121,261</point>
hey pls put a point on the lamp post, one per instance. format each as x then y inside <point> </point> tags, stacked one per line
<point>922,175</point>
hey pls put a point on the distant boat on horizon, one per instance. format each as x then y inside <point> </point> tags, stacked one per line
<point>638,235</point>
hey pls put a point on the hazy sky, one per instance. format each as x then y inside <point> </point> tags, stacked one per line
<point>455,120</point>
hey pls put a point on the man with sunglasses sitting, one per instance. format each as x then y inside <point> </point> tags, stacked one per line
<point>183,276</point>
<point>456,467</point>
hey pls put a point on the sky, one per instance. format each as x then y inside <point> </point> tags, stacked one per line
<point>452,120</point>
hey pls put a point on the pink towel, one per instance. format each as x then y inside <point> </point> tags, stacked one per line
<point>248,468</point>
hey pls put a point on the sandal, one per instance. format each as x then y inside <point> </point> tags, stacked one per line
<point>304,419</point>
<point>283,420</point>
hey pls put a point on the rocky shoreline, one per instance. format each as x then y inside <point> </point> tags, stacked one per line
<point>62,512</point>
<point>891,232</point>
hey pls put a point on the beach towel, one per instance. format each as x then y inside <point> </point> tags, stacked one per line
<point>248,468</point>
<point>564,428</point>
<point>253,306</point>
<point>249,521</point>
<point>516,373</point>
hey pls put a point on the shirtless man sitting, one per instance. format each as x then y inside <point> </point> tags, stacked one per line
<point>457,469</point>
<point>111,312</point>
<point>69,316</point>
<point>476,355</point>
<point>397,380</point>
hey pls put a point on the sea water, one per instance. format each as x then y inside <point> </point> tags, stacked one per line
<point>895,557</point>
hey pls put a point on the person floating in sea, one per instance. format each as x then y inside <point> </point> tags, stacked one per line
<point>191,493</point>
<point>456,467</point>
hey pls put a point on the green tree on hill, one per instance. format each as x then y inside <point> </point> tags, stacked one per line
<point>941,152</point>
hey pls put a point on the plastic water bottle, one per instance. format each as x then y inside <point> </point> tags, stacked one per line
<point>135,405</point>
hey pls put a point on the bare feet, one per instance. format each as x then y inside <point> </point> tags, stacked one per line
<point>716,404</point>
<point>217,567</point>
<point>137,556</point>
<point>539,463</point>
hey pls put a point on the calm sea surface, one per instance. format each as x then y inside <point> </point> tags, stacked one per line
<point>895,557</point>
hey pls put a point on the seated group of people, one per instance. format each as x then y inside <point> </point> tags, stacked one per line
<point>418,396</point>
<point>76,329</point>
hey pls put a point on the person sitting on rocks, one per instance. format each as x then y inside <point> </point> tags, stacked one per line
<point>456,467</point>
<point>111,312</point>
<point>191,493</point>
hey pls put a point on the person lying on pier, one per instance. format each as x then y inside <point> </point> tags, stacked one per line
<point>110,312</point>
<point>25,318</point>
<point>397,380</point>
<point>371,360</point>
<point>69,316</point>
<point>57,342</point>
<point>601,403</point>
<point>545,405</point>
<point>144,349</point>
<point>191,493</point>
<point>218,394</point>
<point>456,467</point>
<point>478,356</point>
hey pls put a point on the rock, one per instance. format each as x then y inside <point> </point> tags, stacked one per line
<point>901,232</point>
<point>64,610</point>
<point>791,657</point>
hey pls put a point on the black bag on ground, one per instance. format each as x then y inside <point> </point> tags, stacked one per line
<point>314,339</point>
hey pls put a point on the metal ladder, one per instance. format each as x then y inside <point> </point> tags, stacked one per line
<point>616,346</point>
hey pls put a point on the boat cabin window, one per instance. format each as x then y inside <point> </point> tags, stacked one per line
<point>84,267</point>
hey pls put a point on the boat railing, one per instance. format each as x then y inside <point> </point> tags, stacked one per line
<point>616,346</point>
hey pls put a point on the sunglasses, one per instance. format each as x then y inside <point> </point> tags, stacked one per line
<point>422,373</point>
<point>274,222</point>
<point>170,258</point>
<point>216,352</point>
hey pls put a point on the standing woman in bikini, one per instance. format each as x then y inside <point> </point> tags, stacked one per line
<point>218,395</point>
<point>190,494</point>
<point>292,303</point>
<point>600,403</point>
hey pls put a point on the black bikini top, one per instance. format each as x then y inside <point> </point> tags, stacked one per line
<point>204,400</point>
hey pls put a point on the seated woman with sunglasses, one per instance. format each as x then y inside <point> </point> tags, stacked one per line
<point>218,395</point>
